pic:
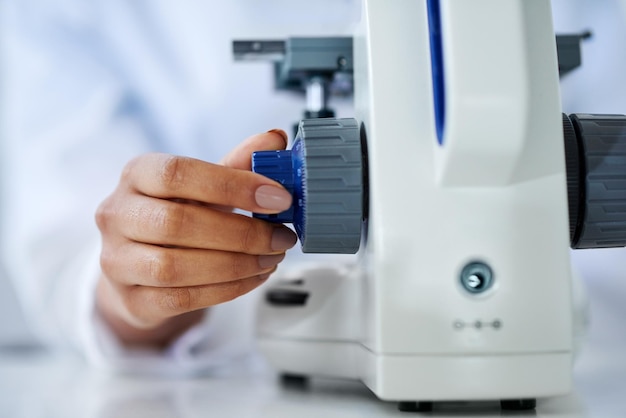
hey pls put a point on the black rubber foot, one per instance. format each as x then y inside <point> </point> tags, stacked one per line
<point>410,406</point>
<point>297,381</point>
<point>518,404</point>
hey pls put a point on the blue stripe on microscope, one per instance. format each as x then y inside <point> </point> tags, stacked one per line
<point>436,60</point>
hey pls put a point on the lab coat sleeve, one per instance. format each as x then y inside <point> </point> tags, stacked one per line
<point>70,123</point>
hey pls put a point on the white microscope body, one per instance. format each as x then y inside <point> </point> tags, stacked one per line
<point>462,289</point>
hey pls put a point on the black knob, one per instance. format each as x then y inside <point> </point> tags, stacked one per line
<point>595,154</point>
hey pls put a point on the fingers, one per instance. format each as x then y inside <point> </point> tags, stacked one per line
<point>149,265</point>
<point>145,306</point>
<point>173,177</point>
<point>241,156</point>
<point>162,222</point>
<point>170,248</point>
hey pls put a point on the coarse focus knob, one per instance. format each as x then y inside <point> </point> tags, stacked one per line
<point>595,154</point>
<point>324,172</point>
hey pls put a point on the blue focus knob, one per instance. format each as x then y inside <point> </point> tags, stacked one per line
<point>277,165</point>
<point>324,173</point>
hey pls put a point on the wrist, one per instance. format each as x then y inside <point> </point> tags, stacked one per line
<point>158,336</point>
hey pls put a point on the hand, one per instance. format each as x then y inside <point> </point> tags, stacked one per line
<point>171,245</point>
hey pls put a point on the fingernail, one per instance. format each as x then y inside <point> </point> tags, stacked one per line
<point>264,277</point>
<point>281,133</point>
<point>267,261</point>
<point>272,197</point>
<point>283,239</point>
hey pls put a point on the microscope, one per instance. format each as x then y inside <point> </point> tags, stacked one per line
<point>461,186</point>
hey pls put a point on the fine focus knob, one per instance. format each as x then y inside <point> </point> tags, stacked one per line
<point>595,153</point>
<point>324,172</point>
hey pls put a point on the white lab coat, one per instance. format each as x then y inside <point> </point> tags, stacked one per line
<point>90,84</point>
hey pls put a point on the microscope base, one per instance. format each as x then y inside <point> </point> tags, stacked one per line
<point>515,379</point>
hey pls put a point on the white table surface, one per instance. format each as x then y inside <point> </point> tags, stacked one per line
<point>42,385</point>
<point>36,383</point>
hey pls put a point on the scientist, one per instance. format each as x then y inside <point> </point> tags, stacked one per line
<point>104,98</point>
<point>138,101</point>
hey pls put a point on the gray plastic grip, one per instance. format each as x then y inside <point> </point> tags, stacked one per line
<point>602,154</point>
<point>333,164</point>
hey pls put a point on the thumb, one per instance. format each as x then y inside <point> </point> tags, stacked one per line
<point>241,156</point>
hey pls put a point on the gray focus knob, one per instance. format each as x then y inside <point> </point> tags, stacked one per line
<point>324,172</point>
<point>595,148</point>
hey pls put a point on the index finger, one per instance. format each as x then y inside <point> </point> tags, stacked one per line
<point>173,177</point>
<point>241,156</point>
